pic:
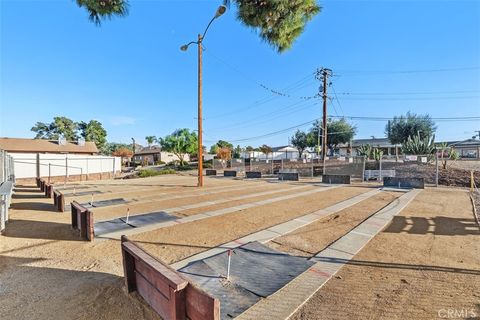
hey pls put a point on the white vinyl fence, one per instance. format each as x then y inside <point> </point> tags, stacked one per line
<point>7,179</point>
<point>31,165</point>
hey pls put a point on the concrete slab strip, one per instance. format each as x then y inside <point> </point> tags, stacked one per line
<point>268,234</point>
<point>286,301</point>
<point>117,235</point>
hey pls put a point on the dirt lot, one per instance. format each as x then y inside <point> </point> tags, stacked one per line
<point>310,240</point>
<point>166,245</point>
<point>47,273</point>
<point>426,262</point>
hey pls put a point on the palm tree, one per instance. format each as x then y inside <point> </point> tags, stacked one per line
<point>278,22</point>
<point>265,149</point>
<point>150,140</point>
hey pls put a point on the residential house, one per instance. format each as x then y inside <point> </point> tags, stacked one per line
<point>21,145</point>
<point>383,144</point>
<point>278,153</point>
<point>469,148</point>
<point>153,154</point>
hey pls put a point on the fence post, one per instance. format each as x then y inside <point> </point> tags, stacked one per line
<point>311,159</point>
<point>49,171</point>
<point>364,159</point>
<point>272,162</point>
<point>113,171</point>
<point>380,169</point>
<point>66,170</point>
<point>436,167</point>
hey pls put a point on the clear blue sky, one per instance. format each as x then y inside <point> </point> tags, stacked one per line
<point>130,74</point>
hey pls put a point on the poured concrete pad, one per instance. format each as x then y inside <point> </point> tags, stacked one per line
<point>105,203</point>
<point>256,271</point>
<point>82,193</point>
<point>141,220</point>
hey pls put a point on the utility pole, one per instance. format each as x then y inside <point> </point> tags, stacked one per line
<point>322,75</point>
<point>200,133</point>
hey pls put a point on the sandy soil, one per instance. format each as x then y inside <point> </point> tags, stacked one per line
<point>46,273</point>
<point>315,237</point>
<point>148,192</point>
<point>143,206</point>
<point>425,263</point>
<point>407,272</point>
<point>177,242</point>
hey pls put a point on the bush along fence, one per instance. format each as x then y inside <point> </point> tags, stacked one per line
<point>163,288</point>
<point>7,182</point>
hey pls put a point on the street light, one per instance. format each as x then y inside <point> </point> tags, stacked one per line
<point>221,10</point>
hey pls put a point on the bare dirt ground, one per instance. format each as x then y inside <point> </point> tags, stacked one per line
<point>151,205</point>
<point>201,235</point>
<point>424,264</point>
<point>47,273</point>
<point>313,238</point>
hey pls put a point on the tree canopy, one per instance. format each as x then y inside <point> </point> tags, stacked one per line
<point>338,131</point>
<point>110,147</point>
<point>150,140</point>
<point>265,149</point>
<point>71,130</point>
<point>300,141</point>
<point>60,127</point>
<point>220,144</point>
<point>93,131</point>
<point>401,128</point>
<point>278,22</point>
<point>181,142</point>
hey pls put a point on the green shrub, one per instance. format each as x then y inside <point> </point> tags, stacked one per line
<point>151,173</point>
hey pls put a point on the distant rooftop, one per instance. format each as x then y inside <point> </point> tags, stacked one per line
<point>45,146</point>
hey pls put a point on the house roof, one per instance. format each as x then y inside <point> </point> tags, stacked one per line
<point>284,149</point>
<point>375,142</point>
<point>465,143</point>
<point>45,146</point>
<point>148,150</point>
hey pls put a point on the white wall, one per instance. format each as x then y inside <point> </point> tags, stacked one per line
<point>25,164</point>
<point>270,156</point>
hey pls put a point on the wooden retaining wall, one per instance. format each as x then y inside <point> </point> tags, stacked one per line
<point>163,288</point>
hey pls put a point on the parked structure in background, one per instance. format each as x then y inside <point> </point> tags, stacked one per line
<point>153,154</point>
<point>382,144</point>
<point>58,161</point>
<point>469,148</point>
<point>20,145</point>
<point>278,153</point>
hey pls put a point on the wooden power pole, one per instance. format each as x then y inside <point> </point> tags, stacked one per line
<point>322,75</point>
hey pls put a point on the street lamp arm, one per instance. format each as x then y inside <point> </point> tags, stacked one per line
<point>206,29</point>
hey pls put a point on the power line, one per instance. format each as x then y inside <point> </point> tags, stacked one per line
<point>298,106</point>
<point>382,72</point>
<point>257,103</point>
<point>404,93</point>
<point>274,132</point>
<point>412,99</point>
<point>440,119</point>
<point>283,92</point>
